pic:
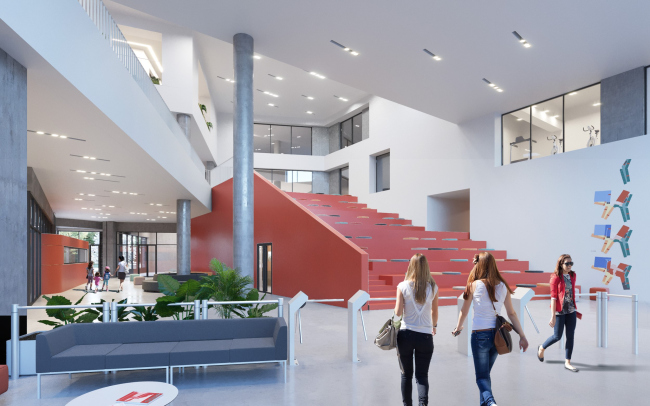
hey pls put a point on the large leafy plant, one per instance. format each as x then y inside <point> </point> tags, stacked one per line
<point>175,292</point>
<point>144,313</point>
<point>228,285</point>
<point>122,313</point>
<point>66,316</point>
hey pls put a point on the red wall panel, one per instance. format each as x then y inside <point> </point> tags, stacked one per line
<point>308,254</point>
<point>57,277</point>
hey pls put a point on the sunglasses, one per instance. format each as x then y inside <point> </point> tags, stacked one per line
<point>568,263</point>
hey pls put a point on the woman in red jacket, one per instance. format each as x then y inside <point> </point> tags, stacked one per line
<point>563,309</point>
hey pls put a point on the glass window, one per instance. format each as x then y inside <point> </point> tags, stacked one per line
<point>302,181</point>
<point>148,238</point>
<point>166,258</point>
<point>166,238</point>
<point>357,127</point>
<point>346,133</point>
<point>74,255</point>
<point>345,181</point>
<point>268,174</point>
<point>547,134</point>
<point>383,172</point>
<point>262,138</point>
<point>280,139</point>
<point>516,136</point>
<point>582,118</point>
<point>301,140</point>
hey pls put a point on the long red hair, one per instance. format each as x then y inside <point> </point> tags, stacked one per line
<point>485,269</point>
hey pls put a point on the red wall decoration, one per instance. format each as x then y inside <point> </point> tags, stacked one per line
<point>57,277</point>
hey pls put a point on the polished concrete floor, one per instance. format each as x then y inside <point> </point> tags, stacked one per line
<point>325,375</point>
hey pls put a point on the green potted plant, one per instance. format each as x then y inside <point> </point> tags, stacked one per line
<point>175,292</point>
<point>209,124</point>
<point>154,79</point>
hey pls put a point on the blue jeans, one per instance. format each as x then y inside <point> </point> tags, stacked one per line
<point>484,354</point>
<point>563,321</point>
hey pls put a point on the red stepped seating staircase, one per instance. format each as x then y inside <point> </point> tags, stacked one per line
<point>391,241</point>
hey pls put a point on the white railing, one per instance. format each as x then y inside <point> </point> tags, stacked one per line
<point>108,29</point>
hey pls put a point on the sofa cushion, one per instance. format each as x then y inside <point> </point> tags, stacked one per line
<point>140,355</point>
<point>252,349</point>
<point>82,358</point>
<point>200,352</point>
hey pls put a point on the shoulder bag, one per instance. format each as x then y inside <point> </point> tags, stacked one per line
<point>387,337</point>
<point>502,339</point>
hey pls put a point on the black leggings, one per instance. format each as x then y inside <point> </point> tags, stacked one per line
<point>562,321</point>
<point>410,343</point>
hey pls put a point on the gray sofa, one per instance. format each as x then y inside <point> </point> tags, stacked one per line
<point>162,344</point>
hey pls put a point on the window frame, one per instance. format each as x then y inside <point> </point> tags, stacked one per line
<point>341,146</point>
<point>291,127</point>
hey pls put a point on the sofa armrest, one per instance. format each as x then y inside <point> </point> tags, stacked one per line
<point>50,343</point>
<point>280,338</point>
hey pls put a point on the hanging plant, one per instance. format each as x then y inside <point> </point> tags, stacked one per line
<point>209,124</point>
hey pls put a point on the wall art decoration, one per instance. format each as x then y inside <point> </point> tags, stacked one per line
<point>603,198</point>
<point>625,171</point>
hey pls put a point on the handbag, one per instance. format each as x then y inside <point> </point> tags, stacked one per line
<point>502,339</point>
<point>387,337</point>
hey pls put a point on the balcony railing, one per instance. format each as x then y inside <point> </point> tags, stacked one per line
<point>108,28</point>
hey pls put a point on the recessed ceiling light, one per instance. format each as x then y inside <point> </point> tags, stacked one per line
<point>492,85</point>
<point>522,41</point>
<point>434,56</point>
<point>597,104</point>
<point>63,136</point>
<point>309,112</point>
<point>573,93</point>
<point>318,75</point>
<point>270,94</point>
<point>257,57</point>
<point>54,135</point>
<point>519,119</point>
<point>271,104</point>
<point>81,171</point>
<point>346,49</point>
<point>77,199</point>
<point>276,77</point>
<point>341,98</point>
<point>40,132</point>
<point>89,194</point>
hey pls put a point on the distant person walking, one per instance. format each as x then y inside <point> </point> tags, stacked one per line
<point>417,300</point>
<point>107,277</point>
<point>90,275</point>
<point>488,292</point>
<point>564,313</point>
<point>121,271</point>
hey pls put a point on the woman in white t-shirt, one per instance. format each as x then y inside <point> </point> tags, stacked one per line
<point>121,271</point>
<point>488,292</point>
<point>417,300</point>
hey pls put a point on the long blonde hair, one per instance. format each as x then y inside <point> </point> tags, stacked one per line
<point>485,269</point>
<point>418,272</point>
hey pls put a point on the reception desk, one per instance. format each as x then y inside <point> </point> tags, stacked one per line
<point>57,276</point>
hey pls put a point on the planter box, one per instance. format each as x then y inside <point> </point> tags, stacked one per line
<point>27,348</point>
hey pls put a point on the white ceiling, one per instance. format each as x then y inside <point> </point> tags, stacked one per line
<point>574,44</point>
<point>56,106</point>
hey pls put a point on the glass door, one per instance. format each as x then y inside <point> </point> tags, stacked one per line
<point>264,268</point>
<point>147,259</point>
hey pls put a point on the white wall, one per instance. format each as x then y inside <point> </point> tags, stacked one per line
<point>536,210</point>
<point>224,128</point>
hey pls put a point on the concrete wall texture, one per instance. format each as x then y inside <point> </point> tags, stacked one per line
<point>622,113</point>
<point>13,182</point>
<point>320,143</point>
<point>34,187</point>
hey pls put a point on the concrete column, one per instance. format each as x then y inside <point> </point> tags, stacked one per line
<point>183,237</point>
<point>109,245</point>
<point>13,182</point>
<point>185,124</point>
<point>243,221</point>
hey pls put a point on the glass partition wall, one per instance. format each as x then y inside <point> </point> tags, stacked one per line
<point>555,126</point>
<point>148,253</point>
<point>281,139</point>
<point>289,181</point>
